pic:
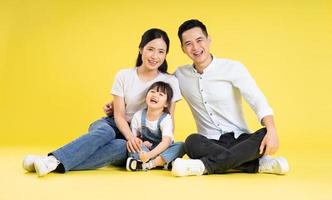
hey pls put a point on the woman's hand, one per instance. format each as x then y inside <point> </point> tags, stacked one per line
<point>134,144</point>
<point>108,109</point>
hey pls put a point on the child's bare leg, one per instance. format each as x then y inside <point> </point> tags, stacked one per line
<point>159,161</point>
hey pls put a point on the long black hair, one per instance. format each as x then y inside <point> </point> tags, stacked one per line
<point>148,36</point>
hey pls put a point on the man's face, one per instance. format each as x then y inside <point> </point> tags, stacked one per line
<point>197,46</point>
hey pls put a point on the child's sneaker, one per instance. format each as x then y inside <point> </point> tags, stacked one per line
<point>271,165</point>
<point>182,167</point>
<point>28,162</point>
<point>134,165</point>
<point>168,166</point>
<point>45,165</point>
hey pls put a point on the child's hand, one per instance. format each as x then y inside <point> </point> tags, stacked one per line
<point>147,144</point>
<point>144,156</point>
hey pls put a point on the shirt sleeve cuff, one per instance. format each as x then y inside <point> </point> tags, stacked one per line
<point>263,113</point>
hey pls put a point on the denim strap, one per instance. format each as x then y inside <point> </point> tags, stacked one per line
<point>143,118</point>
<point>161,119</point>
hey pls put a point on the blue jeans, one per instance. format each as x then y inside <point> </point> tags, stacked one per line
<point>102,145</point>
<point>174,151</point>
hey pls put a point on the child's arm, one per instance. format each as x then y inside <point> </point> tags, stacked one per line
<point>162,146</point>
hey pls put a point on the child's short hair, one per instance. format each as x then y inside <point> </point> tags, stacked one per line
<point>163,87</point>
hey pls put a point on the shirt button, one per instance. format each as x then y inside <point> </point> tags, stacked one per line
<point>201,90</point>
<point>200,77</point>
<point>210,114</point>
<point>205,102</point>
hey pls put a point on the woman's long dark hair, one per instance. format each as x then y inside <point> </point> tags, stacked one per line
<point>148,36</point>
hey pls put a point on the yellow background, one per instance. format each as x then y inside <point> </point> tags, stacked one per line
<point>58,60</point>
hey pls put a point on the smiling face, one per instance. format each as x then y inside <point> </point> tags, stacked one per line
<point>156,99</point>
<point>153,54</point>
<point>197,46</point>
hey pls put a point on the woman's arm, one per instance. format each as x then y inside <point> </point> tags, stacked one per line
<point>172,110</point>
<point>133,143</point>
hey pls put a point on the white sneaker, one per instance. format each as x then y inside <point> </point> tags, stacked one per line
<point>182,167</point>
<point>45,165</point>
<point>28,162</point>
<point>278,165</point>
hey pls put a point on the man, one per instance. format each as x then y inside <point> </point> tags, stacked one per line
<point>213,88</point>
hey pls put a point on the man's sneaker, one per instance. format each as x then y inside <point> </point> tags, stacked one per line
<point>134,165</point>
<point>45,165</point>
<point>28,162</point>
<point>182,167</point>
<point>278,165</point>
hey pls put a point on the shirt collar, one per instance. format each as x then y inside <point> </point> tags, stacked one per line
<point>208,68</point>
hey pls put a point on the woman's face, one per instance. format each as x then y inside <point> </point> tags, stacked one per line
<point>153,54</point>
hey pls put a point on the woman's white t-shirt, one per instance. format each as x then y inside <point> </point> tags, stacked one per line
<point>128,85</point>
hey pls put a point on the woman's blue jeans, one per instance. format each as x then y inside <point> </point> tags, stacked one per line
<point>103,145</point>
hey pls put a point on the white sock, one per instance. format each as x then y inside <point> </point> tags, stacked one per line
<point>149,165</point>
<point>54,159</point>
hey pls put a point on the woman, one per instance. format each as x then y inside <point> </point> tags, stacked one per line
<point>105,143</point>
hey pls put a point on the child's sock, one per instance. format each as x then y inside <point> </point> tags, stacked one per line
<point>149,165</point>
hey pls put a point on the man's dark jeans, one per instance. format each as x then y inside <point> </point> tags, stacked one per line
<point>227,153</point>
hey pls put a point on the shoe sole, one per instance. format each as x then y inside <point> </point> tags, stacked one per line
<point>128,162</point>
<point>182,167</point>
<point>175,169</point>
<point>28,163</point>
<point>283,165</point>
<point>40,168</point>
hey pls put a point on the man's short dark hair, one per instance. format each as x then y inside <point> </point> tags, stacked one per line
<point>189,24</point>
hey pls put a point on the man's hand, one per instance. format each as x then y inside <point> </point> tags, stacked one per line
<point>270,143</point>
<point>108,109</point>
<point>134,144</point>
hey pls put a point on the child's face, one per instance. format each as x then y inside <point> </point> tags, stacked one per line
<point>156,99</point>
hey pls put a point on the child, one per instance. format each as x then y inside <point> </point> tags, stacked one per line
<point>154,126</point>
